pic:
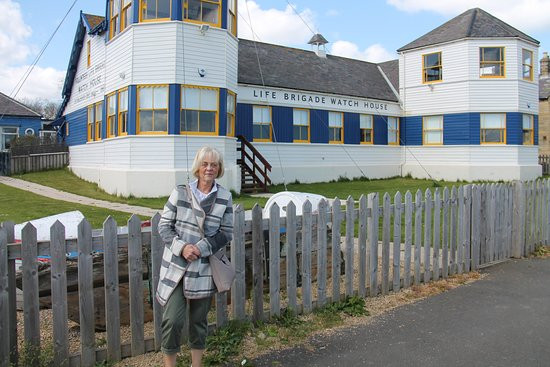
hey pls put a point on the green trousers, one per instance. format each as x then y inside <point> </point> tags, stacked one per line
<point>174,320</point>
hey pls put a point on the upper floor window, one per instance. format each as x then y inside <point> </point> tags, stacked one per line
<point>123,112</point>
<point>199,110</point>
<point>527,62</point>
<point>111,115</point>
<point>493,128</point>
<point>202,11</point>
<point>367,130</point>
<point>232,17</point>
<point>261,123</point>
<point>528,129</point>
<point>154,10</point>
<point>88,53</point>
<point>300,122</point>
<point>432,130</point>
<point>393,130</point>
<point>432,70</point>
<point>231,107</point>
<point>125,15</point>
<point>491,62</point>
<point>152,109</point>
<point>114,8</point>
<point>335,127</point>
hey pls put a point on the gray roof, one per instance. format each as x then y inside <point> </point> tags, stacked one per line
<point>292,68</point>
<point>11,107</point>
<point>544,88</point>
<point>473,23</point>
<point>391,69</point>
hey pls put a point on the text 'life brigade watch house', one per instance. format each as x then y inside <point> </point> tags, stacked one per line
<point>152,81</point>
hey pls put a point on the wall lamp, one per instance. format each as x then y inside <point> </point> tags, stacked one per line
<point>204,28</point>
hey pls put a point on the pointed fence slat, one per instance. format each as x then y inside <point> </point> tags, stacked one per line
<point>397,242</point>
<point>445,239</point>
<point>221,303</point>
<point>386,222</point>
<point>454,230</point>
<point>322,253</point>
<point>408,238</point>
<point>135,273</point>
<point>491,223</point>
<point>59,294</point>
<point>12,294</point>
<point>30,287</point>
<point>467,227</point>
<point>4,301</point>
<point>86,294</point>
<point>461,231</point>
<point>417,235</point>
<point>437,237</point>
<point>257,264</point>
<point>349,245</point>
<point>362,246</point>
<point>427,235</point>
<point>372,223</point>
<point>483,224</point>
<point>291,256</point>
<point>336,262</point>
<point>274,260</point>
<point>112,303</point>
<point>157,247</point>
<point>306,257</point>
<point>476,221</point>
<point>238,291</point>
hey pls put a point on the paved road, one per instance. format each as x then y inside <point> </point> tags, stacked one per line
<point>502,320</point>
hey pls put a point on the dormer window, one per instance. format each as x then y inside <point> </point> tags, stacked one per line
<point>432,70</point>
<point>202,11</point>
<point>154,10</point>
<point>491,62</point>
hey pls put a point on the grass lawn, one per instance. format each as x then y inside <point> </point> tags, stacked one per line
<point>20,206</point>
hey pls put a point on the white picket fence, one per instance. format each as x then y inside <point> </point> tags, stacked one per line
<point>385,245</point>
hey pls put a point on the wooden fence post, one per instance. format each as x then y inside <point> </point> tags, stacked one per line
<point>30,289</point>
<point>112,300</point>
<point>306,257</point>
<point>336,262</point>
<point>427,235</point>
<point>476,220</point>
<point>467,227</point>
<point>321,253</point>
<point>135,273</point>
<point>157,248</point>
<point>12,294</point>
<point>86,294</point>
<point>238,291</point>
<point>386,227</point>
<point>257,264</point>
<point>437,231</point>
<point>5,336</point>
<point>417,235</point>
<point>350,229</point>
<point>408,238</point>
<point>274,261</point>
<point>461,231</point>
<point>372,223</point>
<point>291,256</point>
<point>362,246</point>
<point>445,242</point>
<point>518,222</point>
<point>58,272</point>
<point>397,242</point>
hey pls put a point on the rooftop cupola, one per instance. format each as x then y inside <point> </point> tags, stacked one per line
<point>319,41</point>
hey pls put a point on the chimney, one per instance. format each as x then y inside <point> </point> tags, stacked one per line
<point>545,66</point>
<point>319,41</point>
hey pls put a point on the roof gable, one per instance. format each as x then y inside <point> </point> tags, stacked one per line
<point>292,68</point>
<point>11,107</point>
<point>473,23</point>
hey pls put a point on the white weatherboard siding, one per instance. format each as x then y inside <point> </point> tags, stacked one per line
<point>462,162</point>
<point>325,162</point>
<point>119,61</point>
<point>148,166</point>
<point>89,83</point>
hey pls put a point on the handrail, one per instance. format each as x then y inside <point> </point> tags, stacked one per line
<point>254,169</point>
<point>243,140</point>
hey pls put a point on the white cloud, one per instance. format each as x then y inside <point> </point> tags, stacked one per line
<point>274,25</point>
<point>43,82</point>
<point>332,13</point>
<point>373,53</point>
<point>526,15</point>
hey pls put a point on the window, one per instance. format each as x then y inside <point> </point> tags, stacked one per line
<point>202,11</point>
<point>152,109</point>
<point>199,110</point>
<point>231,104</point>
<point>98,119</point>
<point>493,128</point>
<point>123,112</point>
<point>300,122</point>
<point>527,61</point>
<point>114,6</point>
<point>335,127</point>
<point>431,68</point>
<point>7,135</point>
<point>261,123</point>
<point>111,115</point>
<point>528,129</point>
<point>90,124</point>
<point>152,10</point>
<point>432,132</point>
<point>232,18</point>
<point>67,128</point>
<point>491,62</point>
<point>366,129</point>
<point>393,130</point>
<point>88,54</point>
<point>125,14</point>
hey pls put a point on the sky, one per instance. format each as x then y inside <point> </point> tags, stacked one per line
<point>369,30</point>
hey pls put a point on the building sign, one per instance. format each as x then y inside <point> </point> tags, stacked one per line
<point>89,85</point>
<point>282,97</point>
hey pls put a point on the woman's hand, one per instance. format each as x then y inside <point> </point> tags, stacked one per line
<point>190,252</point>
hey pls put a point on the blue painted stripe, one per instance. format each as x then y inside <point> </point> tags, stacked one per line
<point>283,131</point>
<point>514,128</point>
<point>380,130</point>
<point>243,121</point>
<point>174,103</point>
<point>222,118</point>
<point>225,14</point>
<point>177,12</point>
<point>132,105</point>
<point>318,120</point>
<point>536,128</point>
<point>352,133</point>
<point>77,127</point>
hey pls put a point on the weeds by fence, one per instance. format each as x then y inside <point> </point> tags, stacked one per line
<point>439,233</point>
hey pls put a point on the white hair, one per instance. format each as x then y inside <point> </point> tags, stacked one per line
<point>202,153</point>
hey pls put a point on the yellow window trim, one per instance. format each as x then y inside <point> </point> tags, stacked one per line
<point>270,139</point>
<point>123,8</point>
<point>440,66</point>
<point>371,129</point>
<point>90,125</point>
<point>397,131</point>
<point>371,137</point>
<point>98,124</point>
<point>141,20</point>
<point>532,130</point>
<point>112,31</point>
<point>138,132</point>
<point>119,112</point>
<point>217,124</point>
<point>308,127</point>
<point>531,66</point>
<point>232,17</point>
<point>424,130</point>
<point>88,53</point>
<point>504,132</point>
<point>114,115</point>
<point>341,141</point>
<point>67,128</point>
<point>503,63</point>
<point>234,114</point>
<point>217,2</point>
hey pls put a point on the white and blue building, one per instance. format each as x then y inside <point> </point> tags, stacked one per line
<point>152,81</point>
<point>16,120</point>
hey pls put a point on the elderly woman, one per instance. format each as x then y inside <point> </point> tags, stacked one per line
<point>196,222</point>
